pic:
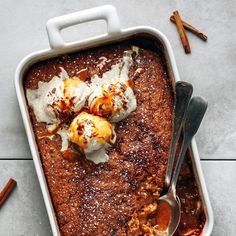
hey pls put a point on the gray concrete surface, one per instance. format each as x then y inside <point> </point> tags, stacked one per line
<point>210,68</point>
<point>220,178</point>
<point>24,213</point>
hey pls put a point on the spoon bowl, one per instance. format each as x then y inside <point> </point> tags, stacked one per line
<point>171,204</point>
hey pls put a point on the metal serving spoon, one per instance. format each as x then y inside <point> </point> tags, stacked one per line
<point>183,93</point>
<point>195,112</point>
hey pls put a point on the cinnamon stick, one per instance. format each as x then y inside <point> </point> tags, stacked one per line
<point>7,190</point>
<point>181,31</point>
<point>191,29</point>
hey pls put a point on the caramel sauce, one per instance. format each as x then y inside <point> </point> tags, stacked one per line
<point>130,83</point>
<point>163,216</point>
<point>83,74</point>
<point>103,106</point>
<point>70,155</point>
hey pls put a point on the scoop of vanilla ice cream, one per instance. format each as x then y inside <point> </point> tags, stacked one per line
<point>112,95</point>
<point>66,97</point>
<point>59,97</point>
<point>91,132</point>
<point>113,101</point>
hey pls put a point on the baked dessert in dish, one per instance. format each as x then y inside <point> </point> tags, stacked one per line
<point>103,122</point>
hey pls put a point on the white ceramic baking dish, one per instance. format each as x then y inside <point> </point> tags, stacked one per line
<point>58,47</point>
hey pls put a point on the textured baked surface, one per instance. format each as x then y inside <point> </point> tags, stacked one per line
<point>105,199</point>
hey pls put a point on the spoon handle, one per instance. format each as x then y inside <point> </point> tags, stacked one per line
<point>183,93</point>
<point>196,110</point>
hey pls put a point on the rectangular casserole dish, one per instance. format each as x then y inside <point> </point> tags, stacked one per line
<point>59,47</point>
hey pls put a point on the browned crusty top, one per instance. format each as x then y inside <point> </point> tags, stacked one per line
<point>102,199</point>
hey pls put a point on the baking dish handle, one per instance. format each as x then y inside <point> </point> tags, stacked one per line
<point>106,12</point>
